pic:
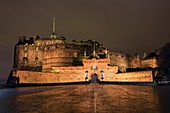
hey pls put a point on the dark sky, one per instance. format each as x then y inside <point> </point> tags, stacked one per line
<point>121,25</point>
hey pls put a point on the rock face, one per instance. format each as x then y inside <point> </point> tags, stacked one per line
<point>13,80</point>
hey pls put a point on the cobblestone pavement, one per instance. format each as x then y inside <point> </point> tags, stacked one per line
<point>90,98</point>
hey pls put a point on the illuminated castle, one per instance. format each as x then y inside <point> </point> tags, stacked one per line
<point>54,60</point>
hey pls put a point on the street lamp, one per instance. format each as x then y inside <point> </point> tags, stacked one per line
<point>86,74</point>
<point>102,74</point>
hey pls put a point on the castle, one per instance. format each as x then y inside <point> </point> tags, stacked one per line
<point>54,60</point>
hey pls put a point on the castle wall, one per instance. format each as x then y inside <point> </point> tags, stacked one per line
<point>42,42</point>
<point>47,52</point>
<point>135,62</point>
<point>58,57</point>
<point>34,55</point>
<point>20,54</point>
<point>78,75</point>
<point>120,60</point>
<point>142,76</point>
<point>149,63</point>
<point>101,66</point>
<point>51,54</point>
<point>43,77</point>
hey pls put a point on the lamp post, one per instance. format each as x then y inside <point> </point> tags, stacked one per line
<point>86,74</point>
<point>102,75</point>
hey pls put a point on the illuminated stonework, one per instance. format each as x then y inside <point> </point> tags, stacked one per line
<point>54,60</point>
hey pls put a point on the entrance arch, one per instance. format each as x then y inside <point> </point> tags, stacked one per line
<point>94,78</point>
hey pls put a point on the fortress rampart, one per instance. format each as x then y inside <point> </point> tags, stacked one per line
<point>67,75</point>
<point>44,77</point>
<point>142,76</point>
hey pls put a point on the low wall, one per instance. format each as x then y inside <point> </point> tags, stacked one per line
<point>142,76</point>
<point>42,77</point>
<point>79,76</point>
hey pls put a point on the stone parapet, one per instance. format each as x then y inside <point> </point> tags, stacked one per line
<point>142,76</point>
<point>79,76</point>
<point>43,77</point>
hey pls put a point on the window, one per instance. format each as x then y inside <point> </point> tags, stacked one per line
<point>36,48</point>
<point>93,67</point>
<point>26,55</point>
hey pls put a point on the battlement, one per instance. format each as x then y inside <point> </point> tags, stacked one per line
<point>24,40</point>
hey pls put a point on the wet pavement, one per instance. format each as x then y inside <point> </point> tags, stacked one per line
<point>86,98</point>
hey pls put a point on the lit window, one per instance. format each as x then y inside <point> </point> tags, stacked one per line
<point>36,48</point>
<point>25,55</point>
<point>94,67</point>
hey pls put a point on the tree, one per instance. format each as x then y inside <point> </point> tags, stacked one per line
<point>164,62</point>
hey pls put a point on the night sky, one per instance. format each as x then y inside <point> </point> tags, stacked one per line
<point>121,25</point>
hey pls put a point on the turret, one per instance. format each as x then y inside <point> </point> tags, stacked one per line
<point>21,39</point>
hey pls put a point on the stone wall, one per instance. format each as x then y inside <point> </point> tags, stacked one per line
<point>142,76</point>
<point>97,66</point>
<point>149,63</point>
<point>58,57</point>
<point>42,77</point>
<point>32,52</point>
<point>78,75</point>
<point>120,60</point>
<point>47,52</point>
